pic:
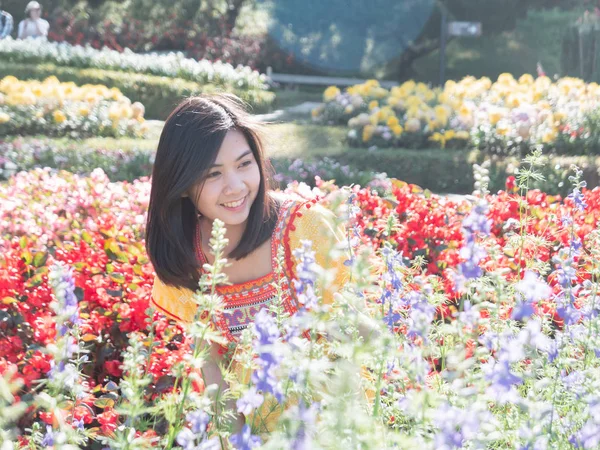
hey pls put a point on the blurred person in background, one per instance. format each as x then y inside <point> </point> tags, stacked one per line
<point>33,26</point>
<point>6,23</point>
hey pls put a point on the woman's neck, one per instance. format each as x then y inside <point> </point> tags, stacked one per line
<point>233,233</point>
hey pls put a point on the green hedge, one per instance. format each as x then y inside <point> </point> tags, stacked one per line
<point>450,171</point>
<point>158,94</point>
<point>441,171</point>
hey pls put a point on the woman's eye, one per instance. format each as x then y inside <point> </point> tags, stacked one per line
<point>214,174</point>
<point>246,163</point>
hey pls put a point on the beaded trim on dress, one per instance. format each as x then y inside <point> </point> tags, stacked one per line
<point>244,300</point>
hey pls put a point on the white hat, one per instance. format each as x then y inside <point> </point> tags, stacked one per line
<point>32,5</point>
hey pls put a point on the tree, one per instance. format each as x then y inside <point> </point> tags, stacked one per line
<point>383,37</point>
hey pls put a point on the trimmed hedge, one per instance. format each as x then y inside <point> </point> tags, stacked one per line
<point>450,171</point>
<point>158,94</point>
<point>440,171</point>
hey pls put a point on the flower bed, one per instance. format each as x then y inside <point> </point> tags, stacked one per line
<point>173,65</point>
<point>505,117</point>
<point>484,317</point>
<point>65,109</point>
<point>158,94</point>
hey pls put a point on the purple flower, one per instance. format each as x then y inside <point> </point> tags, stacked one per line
<point>532,288</point>
<point>306,429</point>
<point>455,426</point>
<point>267,334</point>
<point>244,440</point>
<point>306,275</point>
<point>578,199</point>
<point>502,379</point>
<point>522,310</point>
<point>48,440</point>
<point>421,316</point>
<point>187,439</point>
<point>198,420</point>
<point>588,436</point>
<point>249,402</point>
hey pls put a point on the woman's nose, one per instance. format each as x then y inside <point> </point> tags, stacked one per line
<point>234,184</point>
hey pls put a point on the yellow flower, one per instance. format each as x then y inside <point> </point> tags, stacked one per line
<point>502,129</point>
<point>513,101</point>
<point>462,134</point>
<point>84,110</point>
<point>506,78</point>
<point>6,82</point>
<point>495,116</point>
<point>393,101</point>
<point>449,134</point>
<point>549,136</point>
<point>393,121</point>
<point>397,130</point>
<point>4,117</point>
<point>37,91</point>
<point>412,125</point>
<point>526,78</point>
<point>59,116</point>
<point>438,137</point>
<point>331,93</point>
<point>27,98</point>
<point>126,111</point>
<point>114,112</point>
<point>373,104</point>
<point>51,80</point>
<point>559,116</point>
<point>348,109</point>
<point>367,133</point>
<point>464,111</point>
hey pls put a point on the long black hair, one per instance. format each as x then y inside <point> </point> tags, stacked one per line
<point>188,146</point>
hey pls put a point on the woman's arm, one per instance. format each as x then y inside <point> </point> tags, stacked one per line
<point>212,375</point>
<point>21,29</point>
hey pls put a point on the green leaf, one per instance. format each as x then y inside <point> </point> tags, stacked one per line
<point>117,277</point>
<point>104,402</point>
<point>40,259</point>
<point>86,237</point>
<point>27,257</point>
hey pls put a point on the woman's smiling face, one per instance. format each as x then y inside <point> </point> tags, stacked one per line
<point>231,184</point>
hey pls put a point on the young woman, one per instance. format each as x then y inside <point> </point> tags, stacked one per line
<point>210,164</point>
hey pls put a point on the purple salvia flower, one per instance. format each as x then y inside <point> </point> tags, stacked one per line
<point>306,275</point>
<point>267,334</point>
<point>244,440</point>
<point>198,421</point>
<point>455,425</point>
<point>578,199</point>
<point>250,401</point>
<point>420,318</point>
<point>187,439</point>
<point>532,288</point>
<point>307,418</point>
<point>48,440</point>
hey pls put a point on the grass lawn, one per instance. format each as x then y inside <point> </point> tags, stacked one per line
<point>283,140</point>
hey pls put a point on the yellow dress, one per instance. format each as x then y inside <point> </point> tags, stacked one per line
<point>297,221</point>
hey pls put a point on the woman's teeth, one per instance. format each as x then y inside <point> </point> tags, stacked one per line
<point>234,204</point>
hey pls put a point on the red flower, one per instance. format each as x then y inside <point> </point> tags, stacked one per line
<point>113,368</point>
<point>108,421</point>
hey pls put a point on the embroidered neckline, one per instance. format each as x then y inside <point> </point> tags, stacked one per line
<point>258,284</point>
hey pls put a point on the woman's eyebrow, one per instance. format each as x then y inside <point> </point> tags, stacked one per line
<point>246,153</point>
